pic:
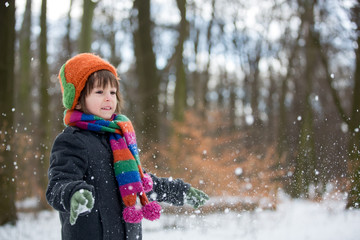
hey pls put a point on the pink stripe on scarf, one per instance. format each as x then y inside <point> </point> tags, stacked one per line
<point>82,125</point>
<point>75,116</point>
<point>117,145</point>
<point>131,188</point>
<point>130,138</point>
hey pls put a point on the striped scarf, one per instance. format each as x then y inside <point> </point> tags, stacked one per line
<point>131,179</point>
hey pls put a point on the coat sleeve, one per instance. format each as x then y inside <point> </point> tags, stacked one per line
<point>172,191</point>
<point>68,164</point>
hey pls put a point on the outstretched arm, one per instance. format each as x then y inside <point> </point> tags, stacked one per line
<point>169,190</point>
<point>176,192</point>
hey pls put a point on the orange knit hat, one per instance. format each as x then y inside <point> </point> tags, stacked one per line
<point>75,72</point>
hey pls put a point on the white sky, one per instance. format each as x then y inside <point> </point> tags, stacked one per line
<point>55,9</point>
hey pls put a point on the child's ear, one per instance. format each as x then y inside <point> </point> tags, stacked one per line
<point>78,106</point>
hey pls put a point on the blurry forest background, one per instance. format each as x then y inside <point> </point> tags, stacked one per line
<point>239,98</point>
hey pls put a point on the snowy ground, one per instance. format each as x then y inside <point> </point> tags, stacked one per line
<point>293,219</point>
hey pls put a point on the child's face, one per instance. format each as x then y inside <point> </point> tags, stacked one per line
<point>102,101</point>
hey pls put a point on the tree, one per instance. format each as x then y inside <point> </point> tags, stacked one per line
<point>23,103</point>
<point>24,80</point>
<point>44,118</point>
<point>205,81</point>
<point>85,39</point>
<point>147,73</point>
<point>305,165</point>
<point>108,30</point>
<point>283,131</point>
<point>254,60</point>
<point>7,157</point>
<point>67,38</point>
<point>352,119</point>
<point>196,75</point>
<point>180,87</point>
<point>354,143</point>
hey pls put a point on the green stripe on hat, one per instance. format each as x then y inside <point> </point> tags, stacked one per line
<point>69,89</point>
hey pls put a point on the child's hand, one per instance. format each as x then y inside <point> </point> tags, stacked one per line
<point>196,198</point>
<point>81,201</point>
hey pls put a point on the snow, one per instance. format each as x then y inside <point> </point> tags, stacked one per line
<point>83,208</point>
<point>238,171</point>
<point>293,219</point>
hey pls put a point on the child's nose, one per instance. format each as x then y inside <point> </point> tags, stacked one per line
<point>108,97</point>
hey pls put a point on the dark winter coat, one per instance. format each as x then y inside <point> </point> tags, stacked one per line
<point>81,159</point>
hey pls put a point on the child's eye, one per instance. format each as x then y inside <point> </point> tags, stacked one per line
<point>99,92</point>
<point>113,92</point>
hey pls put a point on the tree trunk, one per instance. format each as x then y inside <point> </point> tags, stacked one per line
<point>86,26</point>
<point>180,87</point>
<point>354,143</point>
<point>196,76</point>
<point>206,76</point>
<point>44,118</point>
<point>283,129</point>
<point>305,167</point>
<point>149,79</point>
<point>23,106</point>
<point>67,38</point>
<point>354,119</point>
<point>271,126</point>
<point>255,71</point>
<point>7,157</point>
<point>232,107</point>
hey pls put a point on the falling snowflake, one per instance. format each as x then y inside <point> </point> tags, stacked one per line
<point>238,171</point>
